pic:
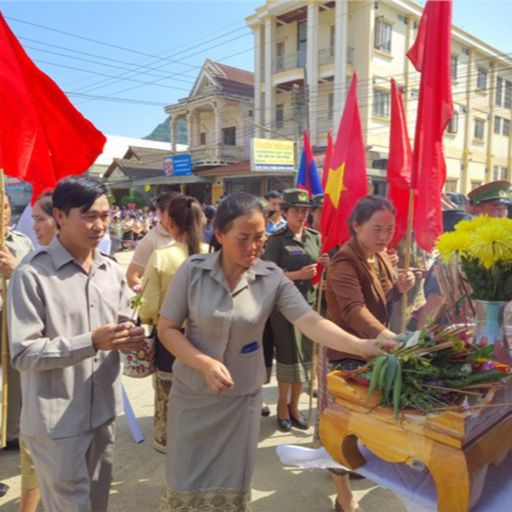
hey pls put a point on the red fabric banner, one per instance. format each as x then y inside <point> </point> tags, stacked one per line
<point>43,137</point>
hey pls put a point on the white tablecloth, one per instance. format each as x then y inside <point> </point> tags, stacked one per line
<point>414,485</point>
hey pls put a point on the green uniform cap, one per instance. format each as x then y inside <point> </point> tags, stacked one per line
<point>317,201</point>
<point>495,192</point>
<point>296,197</point>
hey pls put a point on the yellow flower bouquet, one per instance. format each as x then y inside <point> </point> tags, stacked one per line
<point>483,246</point>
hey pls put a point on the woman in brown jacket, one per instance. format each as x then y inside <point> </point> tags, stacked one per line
<point>360,285</point>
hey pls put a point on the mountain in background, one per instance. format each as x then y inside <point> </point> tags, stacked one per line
<point>162,132</point>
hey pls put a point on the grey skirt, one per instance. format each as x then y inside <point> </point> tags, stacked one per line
<point>211,451</point>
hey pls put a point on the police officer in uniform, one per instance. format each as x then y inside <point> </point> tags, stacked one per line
<point>491,199</point>
<point>296,249</point>
<point>18,245</point>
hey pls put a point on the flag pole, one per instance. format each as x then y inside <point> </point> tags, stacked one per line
<point>407,259</point>
<point>3,333</point>
<point>314,362</point>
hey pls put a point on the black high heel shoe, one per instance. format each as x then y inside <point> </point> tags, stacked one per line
<point>301,423</point>
<point>284,424</point>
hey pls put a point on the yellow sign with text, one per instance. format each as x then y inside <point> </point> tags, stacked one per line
<point>272,155</point>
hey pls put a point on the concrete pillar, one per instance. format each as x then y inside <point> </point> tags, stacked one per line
<point>190,129</point>
<point>270,24</point>
<point>466,152</point>
<point>340,60</point>
<point>258,58</point>
<point>217,136</point>
<point>173,133</point>
<point>489,160</point>
<point>312,69</point>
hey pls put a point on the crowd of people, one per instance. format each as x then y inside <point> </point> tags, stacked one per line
<point>225,291</point>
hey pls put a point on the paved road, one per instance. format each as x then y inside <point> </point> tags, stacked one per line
<point>140,471</point>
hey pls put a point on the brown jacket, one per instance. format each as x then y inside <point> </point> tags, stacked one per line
<point>357,300</point>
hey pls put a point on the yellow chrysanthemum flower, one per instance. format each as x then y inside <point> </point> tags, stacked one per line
<point>471,225</point>
<point>450,244</point>
<point>492,242</point>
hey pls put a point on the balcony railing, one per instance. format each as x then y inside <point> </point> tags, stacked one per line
<point>298,59</point>
<point>215,153</point>
<point>326,55</point>
<point>290,61</point>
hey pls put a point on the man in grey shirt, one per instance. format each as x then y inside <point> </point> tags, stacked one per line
<point>67,317</point>
<point>17,247</point>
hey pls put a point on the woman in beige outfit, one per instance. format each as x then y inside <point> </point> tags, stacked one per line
<point>225,299</point>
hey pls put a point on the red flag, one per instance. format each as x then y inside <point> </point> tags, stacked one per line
<point>435,108</point>
<point>399,163</point>
<point>327,159</point>
<point>346,177</point>
<point>43,137</point>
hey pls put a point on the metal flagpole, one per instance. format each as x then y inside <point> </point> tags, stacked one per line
<point>3,334</point>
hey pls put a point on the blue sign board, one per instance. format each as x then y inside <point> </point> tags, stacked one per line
<point>178,165</point>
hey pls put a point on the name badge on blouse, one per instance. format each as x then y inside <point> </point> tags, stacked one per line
<point>250,347</point>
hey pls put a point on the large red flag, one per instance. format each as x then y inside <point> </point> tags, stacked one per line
<point>399,163</point>
<point>43,137</point>
<point>430,55</point>
<point>346,177</point>
<point>327,159</point>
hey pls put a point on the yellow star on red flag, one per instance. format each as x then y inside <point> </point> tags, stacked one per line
<point>334,186</point>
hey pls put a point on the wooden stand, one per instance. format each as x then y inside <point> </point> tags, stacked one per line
<point>456,447</point>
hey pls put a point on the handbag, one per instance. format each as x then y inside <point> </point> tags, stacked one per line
<point>141,363</point>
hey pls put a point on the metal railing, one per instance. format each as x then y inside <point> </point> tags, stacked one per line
<point>326,55</point>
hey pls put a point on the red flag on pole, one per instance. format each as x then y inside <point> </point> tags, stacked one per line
<point>327,159</point>
<point>435,108</point>
<point>399,163</point>
<point>346,177</point>
<point>43,137</point>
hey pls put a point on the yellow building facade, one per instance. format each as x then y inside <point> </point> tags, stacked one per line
<point>307,50</point>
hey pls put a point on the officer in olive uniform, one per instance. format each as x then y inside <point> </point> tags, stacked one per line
<point>491,199</point>
<point>18,246</point>
<point>296,249</point>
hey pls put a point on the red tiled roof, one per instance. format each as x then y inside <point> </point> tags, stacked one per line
<point>235,81</point>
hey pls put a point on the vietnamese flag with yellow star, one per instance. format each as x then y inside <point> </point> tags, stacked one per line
<point>345,182</point>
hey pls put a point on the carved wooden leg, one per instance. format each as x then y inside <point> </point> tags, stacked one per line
<point>340,445</point>
<point>450,472</point>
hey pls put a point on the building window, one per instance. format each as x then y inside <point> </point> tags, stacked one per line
<point>250,113</point>
<point>202,139</point>
<point>229,136</point>
<point>453,125</point>
<point>380,103</point>
<point>280,56</point>
<point>481,79</point>
<point>332,39</point>
<point>499,173</point>
<point>302,34</point>
<point>497,125</point>
<point>499,91</point>
<point>279,115</point>
<point>505,127</point>
<point>383,31</point>
<point>453,66</point>
<point>479,129</point>
<point>330,105</point>
<point>507,101</point>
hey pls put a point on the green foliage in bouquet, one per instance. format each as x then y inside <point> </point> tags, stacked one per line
<point>436,369</point>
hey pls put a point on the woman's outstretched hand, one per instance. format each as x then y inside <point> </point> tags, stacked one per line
<point>372,348</point>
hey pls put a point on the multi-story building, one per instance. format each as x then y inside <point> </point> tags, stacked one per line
<point>307,50</point>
